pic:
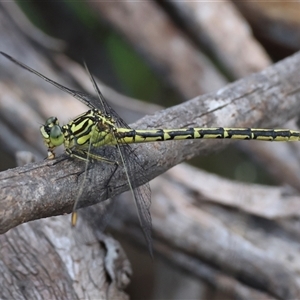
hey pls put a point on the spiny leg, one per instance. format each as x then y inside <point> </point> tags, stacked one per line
<point>87,157</point>
<point>110,178</point>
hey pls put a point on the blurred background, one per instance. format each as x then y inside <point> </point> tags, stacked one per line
<point>153,55</point>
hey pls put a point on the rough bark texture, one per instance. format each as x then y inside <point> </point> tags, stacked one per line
<point>30,189</point>
<point>241,239</point>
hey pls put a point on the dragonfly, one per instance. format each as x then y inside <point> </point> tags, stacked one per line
<point>101,127</point>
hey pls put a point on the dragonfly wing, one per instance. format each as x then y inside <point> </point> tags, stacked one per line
<point>141,193</point>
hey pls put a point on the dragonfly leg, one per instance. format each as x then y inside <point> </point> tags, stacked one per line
<point>88,157</point>
<point>108,189</point>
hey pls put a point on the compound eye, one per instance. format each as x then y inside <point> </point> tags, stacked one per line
<point>51,121</point>
<point>56,135</point>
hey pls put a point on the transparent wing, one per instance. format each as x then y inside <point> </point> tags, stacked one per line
<point>132,164</point>
<point>134,170</point>
<point>142,193</point>
<point>90,101</point>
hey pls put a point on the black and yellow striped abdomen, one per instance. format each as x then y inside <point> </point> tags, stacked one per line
<point>130,136</point>
<point>98,130</point>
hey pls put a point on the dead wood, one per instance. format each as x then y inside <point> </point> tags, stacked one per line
<point>275,89</point>
<point>47,259</point>
<point>50,187</point>
<point>239,53</point>
<point>163,45</point>
<point>38,190</point>
<point>187,219</point>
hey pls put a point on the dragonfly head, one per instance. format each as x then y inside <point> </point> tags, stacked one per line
<point>52,134</point>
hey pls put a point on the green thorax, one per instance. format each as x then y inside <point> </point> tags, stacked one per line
<point>90,128</point>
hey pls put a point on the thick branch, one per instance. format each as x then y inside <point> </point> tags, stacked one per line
<point>232,240</point>
<point>50,188</point>
<point>48,259</point>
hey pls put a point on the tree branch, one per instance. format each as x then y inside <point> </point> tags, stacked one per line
<point>50,188</point>
<point>254,243</point>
